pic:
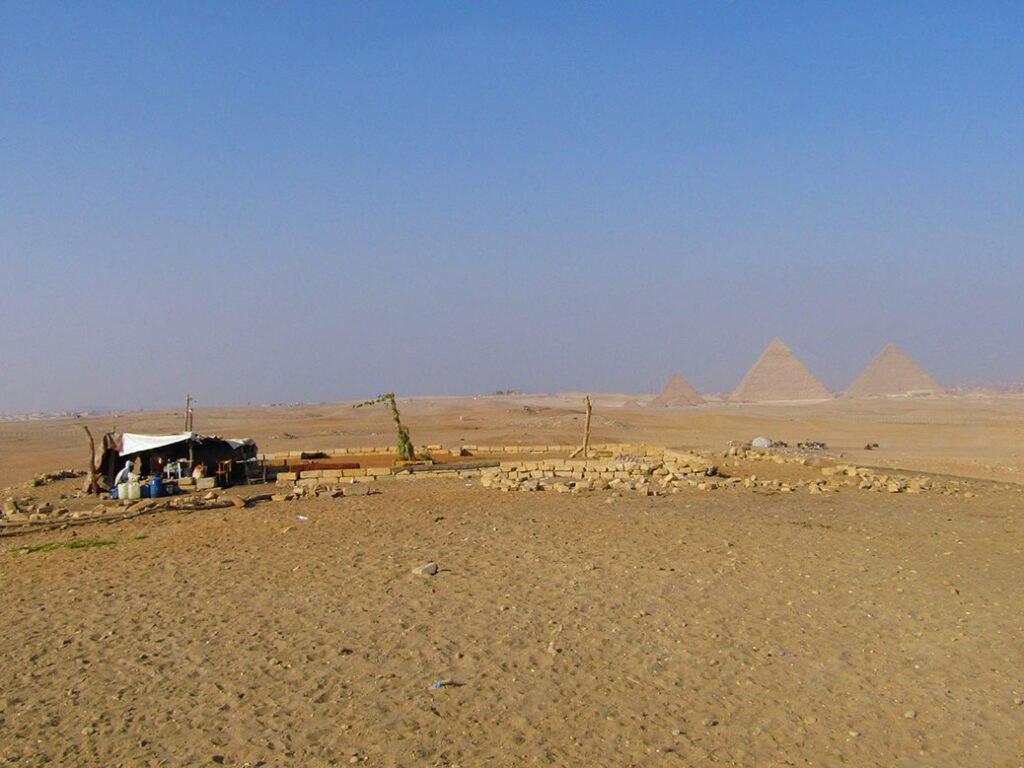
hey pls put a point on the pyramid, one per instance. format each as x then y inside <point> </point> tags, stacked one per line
<point>892,373</point>
<point>778,375</point>
<point>676,393</point>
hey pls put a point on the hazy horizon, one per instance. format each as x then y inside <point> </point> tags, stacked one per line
<point>261,203</point>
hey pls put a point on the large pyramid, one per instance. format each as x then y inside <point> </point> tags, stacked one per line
<point>778,375</point>
<point>676,393</point>
<point>892,373</point>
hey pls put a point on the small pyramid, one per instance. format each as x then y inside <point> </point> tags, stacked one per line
<point>677,392</point>
<point>893,372</point>
<point>778,375</point>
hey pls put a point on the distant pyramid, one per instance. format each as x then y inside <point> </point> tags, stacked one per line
<point>892,373</point>
<point>676,393</point>
<point>778,375</point>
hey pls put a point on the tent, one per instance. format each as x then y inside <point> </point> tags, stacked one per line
<point>189,447</point>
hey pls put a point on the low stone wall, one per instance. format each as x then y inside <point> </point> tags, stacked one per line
<point>604,450</point>
<point>644,469</point>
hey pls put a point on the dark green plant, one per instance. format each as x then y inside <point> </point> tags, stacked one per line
<point>405,449</point>
<point>77,544</point>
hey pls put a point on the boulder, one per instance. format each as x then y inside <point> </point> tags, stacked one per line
<point>427,569</point>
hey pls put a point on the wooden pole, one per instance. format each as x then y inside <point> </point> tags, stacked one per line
<point>188,413</point>
<point>585,450</point>
<point>586,429</point>
<point>94,486</point>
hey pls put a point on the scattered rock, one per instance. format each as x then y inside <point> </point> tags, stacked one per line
<point>427,569</point>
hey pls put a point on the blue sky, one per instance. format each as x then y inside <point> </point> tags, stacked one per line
<point>267,202</point>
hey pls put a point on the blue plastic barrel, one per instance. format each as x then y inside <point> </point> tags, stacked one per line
<point>156,487</point>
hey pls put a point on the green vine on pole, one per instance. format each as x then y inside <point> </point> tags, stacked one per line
<point>405,449</point>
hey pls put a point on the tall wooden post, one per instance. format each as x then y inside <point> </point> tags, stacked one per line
<point>94,486</point>
<point>586,429</point>
<point>585,450</point>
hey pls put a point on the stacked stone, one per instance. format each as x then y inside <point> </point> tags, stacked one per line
<point>650,475</point>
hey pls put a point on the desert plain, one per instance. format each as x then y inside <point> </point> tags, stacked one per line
<point>745,626</point>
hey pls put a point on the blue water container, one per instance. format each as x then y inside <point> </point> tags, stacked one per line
<point>156,487</point>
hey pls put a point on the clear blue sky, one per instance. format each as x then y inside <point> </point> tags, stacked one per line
<point>275,202</point>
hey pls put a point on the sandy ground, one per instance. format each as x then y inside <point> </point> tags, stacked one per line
<point>737,627</point>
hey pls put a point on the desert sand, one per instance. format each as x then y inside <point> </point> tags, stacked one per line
<point>737,627</point>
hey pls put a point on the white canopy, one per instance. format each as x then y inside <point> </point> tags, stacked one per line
<point>133,443</point>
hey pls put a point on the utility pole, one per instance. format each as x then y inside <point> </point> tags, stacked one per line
<point>188,413</point>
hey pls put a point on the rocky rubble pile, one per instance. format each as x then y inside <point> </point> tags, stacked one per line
<point>647,475</point>
<point>673,472</point>
<point>49,477</point>
<point>27,512</point>
<point>315,490</point>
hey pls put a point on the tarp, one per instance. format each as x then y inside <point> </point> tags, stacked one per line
<point>134,443</point>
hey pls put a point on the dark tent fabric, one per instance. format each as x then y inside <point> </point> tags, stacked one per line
<point>189,447</point>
